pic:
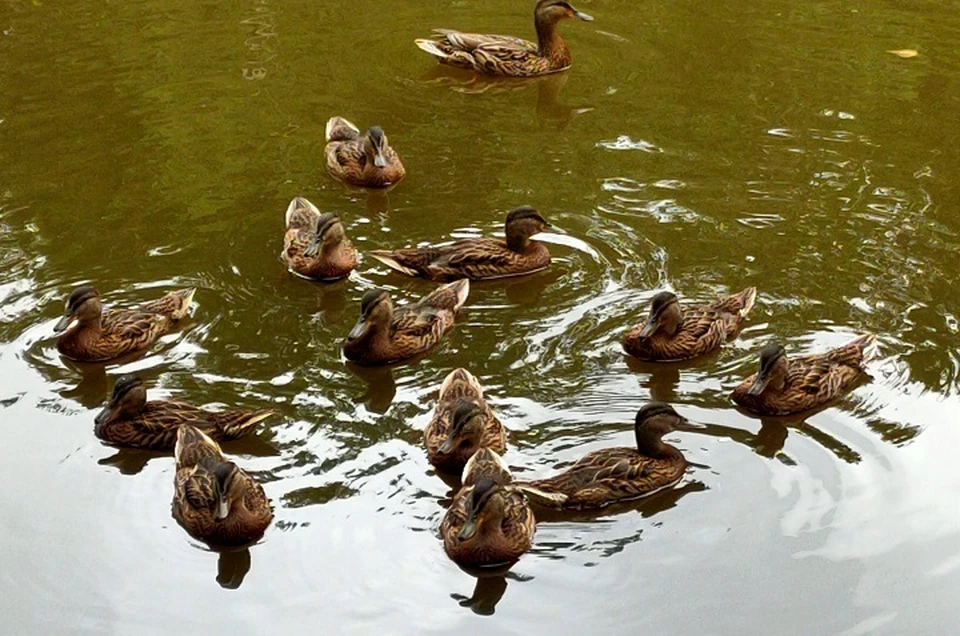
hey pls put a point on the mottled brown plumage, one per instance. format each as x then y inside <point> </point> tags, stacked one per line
<point>792,385</point>
<point>618,474</point>
<point>462,423</point>
<point>486,462</point>
<point>129,420</point>
<point>477,258</point>
<point>316,245</point>
<point>505,55</point>
<point>385,334</point>
<point>675,333</point>
<point>215,500</point>
<point>489,522</point>
<point>99,336</point>
<point>365,160</point>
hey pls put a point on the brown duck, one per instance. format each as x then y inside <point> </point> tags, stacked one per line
<point>316,245</point>
<point>478,258</point>
<point>130,420</point>
<point>505,55</point>
<point>462,423</point>
<point>365,160</point>
<point>385,334</point>
<point>612,475</point>
<point>215,500</point>
<point>785,385</point>
<point>489,522</point>
<point>99,336</point>
<point>674,333</point>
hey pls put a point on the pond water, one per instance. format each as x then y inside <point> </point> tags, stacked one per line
<point>700,147</point>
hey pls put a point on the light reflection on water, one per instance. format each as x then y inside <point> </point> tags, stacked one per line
<point>673,156</point>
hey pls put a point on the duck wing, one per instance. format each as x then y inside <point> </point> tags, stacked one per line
<point>489,41</point>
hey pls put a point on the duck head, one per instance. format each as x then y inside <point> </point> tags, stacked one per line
<point>773,369</point>
<point>484,506</point>
<point>225,487</point>
<point>655,420</point>
<point>82,307</point>
<point>466,428</point>
<point>127,400</point>
<point>376,146</point>
<point>521,225</point>
<point>375,309</point>
<point>553,11</point>
<point>329,233</point>
<point>665,313</point>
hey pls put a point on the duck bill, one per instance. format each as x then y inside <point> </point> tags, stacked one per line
<point>379,160</point>
<point>314,248</point>
<point>102,416</point>
<point>223,508</point>
<point>468,530</point>
<point>359,329</point>
<point>687,425</point>
<point>759,384</point>
<point>649,328</point>
<point>447,447</point>
<point>580,15</point>
<point>63,324</point>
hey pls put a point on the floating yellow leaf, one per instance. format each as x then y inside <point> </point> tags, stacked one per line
<point>905,53</point>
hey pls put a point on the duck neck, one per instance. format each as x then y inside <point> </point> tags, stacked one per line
<point>517,239</point>
<point>87,331</point>
<point>652,446</point>
<point>550,43</point>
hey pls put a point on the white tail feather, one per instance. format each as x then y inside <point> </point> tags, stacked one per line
<point>869,347</point>
<point>542,497</point>
<point>462,287</point>
<point>431,47</point>
<point>750,298</point>
<point>389,261</point>
<point>333,122</point>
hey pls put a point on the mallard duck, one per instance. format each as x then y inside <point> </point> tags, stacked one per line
<point>99,336</point>
<point>505,55</point>
<point>477,258</point>
<point>489,522</point>
<point>364,160</point>
<point>214,499</point>
<point>461,424</point>
<point>384,335</point>
<point>791,385</point>
<point>129,420</point>
<point>612,475</point>
<point>316,245</point>
<point>674,333</point>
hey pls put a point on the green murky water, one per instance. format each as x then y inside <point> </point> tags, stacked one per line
<point>696,146</point>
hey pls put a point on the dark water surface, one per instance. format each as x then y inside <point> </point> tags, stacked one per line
<point>697,146</point>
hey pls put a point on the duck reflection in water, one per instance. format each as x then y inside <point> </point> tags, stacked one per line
<point>647,507</point>
<point>489,589</point>
<point>377,204</point>
<point>662,377</point>
<point>550,111</point>
<point>92,387</point>
<point>232,567</point>
<point>527,290</point>
<point>332,302</point>
<point>381,386</point>
<point>131,461</point>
